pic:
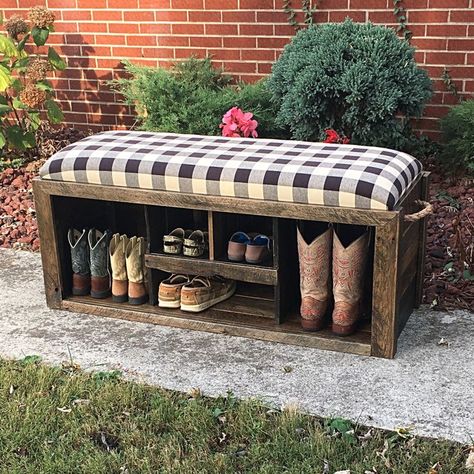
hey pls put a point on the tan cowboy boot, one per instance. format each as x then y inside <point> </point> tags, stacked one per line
<point>135,262</point>
<point>117,249</point>
<point>348,267</point>
<point>314,262</point>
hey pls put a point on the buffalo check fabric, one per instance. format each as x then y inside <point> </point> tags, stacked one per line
<point>275,170</point>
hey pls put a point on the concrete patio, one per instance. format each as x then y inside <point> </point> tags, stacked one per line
<point>429,386</point>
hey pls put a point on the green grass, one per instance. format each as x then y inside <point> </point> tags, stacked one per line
<point>63,420</point>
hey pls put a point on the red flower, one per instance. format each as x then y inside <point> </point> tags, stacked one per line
<point>333,137</point>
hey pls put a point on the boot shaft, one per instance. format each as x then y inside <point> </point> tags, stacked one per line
<point>135,259</point>
<point>80,260</point>
<point>348,268</point>
<point>98,248</point>
<point>117,249</point>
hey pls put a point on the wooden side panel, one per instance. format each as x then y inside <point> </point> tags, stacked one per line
<point>425,184</point>
<point>49,251</point>
<point>384,303</point>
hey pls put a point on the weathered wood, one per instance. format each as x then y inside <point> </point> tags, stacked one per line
<point>250,326</point>
<point>406,305</point>
<point>425,183</point>
<point>205,267</point>
<point>218,203</point>
<point>384,302</point>
<point>49,251</point>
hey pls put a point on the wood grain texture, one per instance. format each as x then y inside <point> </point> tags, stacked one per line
<point>384,303</point>
<point>218,322</point>
<point>49,250</point>
<point>219,203</point>
<point>205,267</point>
<point>425,185</point>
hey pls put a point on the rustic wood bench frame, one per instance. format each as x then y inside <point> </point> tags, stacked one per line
<point>397,274</point>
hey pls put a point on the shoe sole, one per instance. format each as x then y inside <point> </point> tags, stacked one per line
<point>81,291</point>
<point>169,304</point>
<point>137,301</point>
<point>100,295</point>
<point>201,307</point>
<point>119,298</point>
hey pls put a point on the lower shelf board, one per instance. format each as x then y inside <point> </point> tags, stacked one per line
<point>234,317</point>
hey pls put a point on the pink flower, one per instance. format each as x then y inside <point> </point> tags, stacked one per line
<point>236,123</point>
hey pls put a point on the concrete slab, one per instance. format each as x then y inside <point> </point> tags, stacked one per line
<point>428,386</point>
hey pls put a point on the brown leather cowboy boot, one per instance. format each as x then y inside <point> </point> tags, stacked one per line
<point>314,262</point>
<point>348,268</point>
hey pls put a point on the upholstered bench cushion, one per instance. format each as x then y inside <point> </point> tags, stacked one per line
<point>275,170</point>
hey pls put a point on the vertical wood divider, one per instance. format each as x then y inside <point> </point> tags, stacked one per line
<point>425,184</point>
<point>210,229</point>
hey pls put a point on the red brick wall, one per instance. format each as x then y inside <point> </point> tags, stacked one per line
<point>245,36</point>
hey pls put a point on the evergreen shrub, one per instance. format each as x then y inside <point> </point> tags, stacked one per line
<point>358,79</point>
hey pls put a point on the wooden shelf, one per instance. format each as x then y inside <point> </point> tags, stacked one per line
<point>199,266</point>
<point>238,316</point>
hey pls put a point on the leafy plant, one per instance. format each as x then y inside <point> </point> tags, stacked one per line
<point>358,79</point>
<point>24,89</point>
<point>192,97</point>
<point>458,129</point>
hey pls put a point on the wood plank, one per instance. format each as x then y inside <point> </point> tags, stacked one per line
<point>406,305</point>
<point>251,327</point>
<point>384,302</point>
<point>49,249</point>
<point>199,266</point>
<point>218,203</point>
<point>425,185</point>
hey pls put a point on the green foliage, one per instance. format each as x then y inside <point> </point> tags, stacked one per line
<point>57,420</point>
<point>458,129</point>
<point>358,79</point>
<point>192,97</point>
<point>24,89</point>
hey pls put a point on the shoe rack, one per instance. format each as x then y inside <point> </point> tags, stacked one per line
<point>266,303</point>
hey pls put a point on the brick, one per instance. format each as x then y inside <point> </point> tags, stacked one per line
<point>221,5</point>
<point>383,17</point>
<point>136,15</point>
<point>284,30</point>
<point>187,4</point>
<point>170,16</point>
<point>240,42</point>
<point>181,53</point>
<point>462,16</point>
<point>95,27</point>
<point>124,28</point>
<point>272,42</point>
<point>126,52</point>
<point>427,16</point>
<point>239,17</point>
<point>449,3</point>
<point>225,54</point>
<point>264,68</point>
<point>271,17</point>
<point>446,30</point>
<point>187,29</point>
<point>154,4</point>
<point>258,54</point>
<point>173,41</point>
<point>69,15</point>
<point>91,4</point>
<point>341,15</point>
<point>368,4</point>
<point>257,4</point>
<point>224,30</point>
<point>158,52</point>
<point>240,67</point>
<point>206,41</point>
<point>249,30</point>
<point>155,28</point>
<point>141,40</point>
<point>204,16</point>
<point>464,45</point>
<point>128,4</point>
<point>430,43</point>
<point>445,58</point>
<point>108,15</point>
<point>59,3</point>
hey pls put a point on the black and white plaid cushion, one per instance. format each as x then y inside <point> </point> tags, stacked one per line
<point>275,170</point>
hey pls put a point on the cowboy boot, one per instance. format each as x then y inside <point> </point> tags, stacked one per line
<point>100,276</point>
<point>135,261</point>
<point>314,263</point>
<point>117,249</point>
<point>81,274</point>
<point>348,267</point>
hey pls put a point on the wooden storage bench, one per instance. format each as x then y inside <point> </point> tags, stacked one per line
<point>147,184</point>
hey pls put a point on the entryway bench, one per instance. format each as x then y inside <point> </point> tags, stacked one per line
<point>144,183</point>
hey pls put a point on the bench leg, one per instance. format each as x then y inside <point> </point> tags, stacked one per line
<point>49,251</point>
<point>384,303</point>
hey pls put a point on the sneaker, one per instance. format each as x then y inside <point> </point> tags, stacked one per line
<point>258,250</point>
<point>202,293</point>
<point>169,292</point>
<point>237,246</point>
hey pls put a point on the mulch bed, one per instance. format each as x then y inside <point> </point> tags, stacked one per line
<point>450,241</point>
